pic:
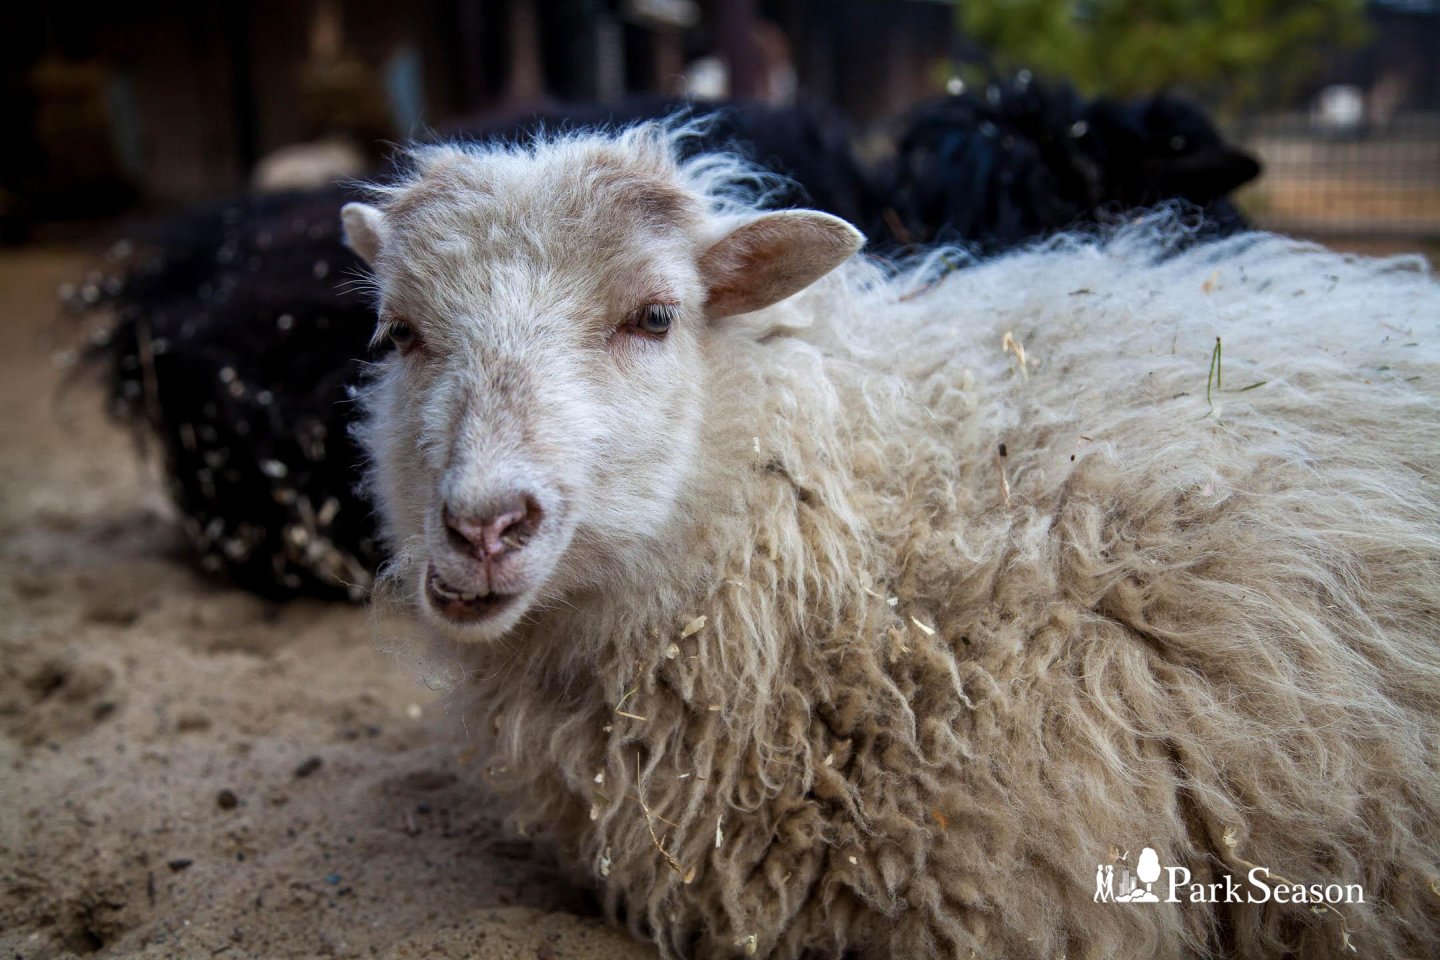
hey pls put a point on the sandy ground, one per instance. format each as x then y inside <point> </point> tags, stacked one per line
<point>188,771</point>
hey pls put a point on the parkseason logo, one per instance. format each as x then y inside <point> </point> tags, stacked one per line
<point>1146,881</point>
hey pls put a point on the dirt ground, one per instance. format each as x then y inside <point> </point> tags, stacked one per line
<point>188,771</point>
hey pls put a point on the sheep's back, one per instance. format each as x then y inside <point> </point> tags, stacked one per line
<point>1182,598</point>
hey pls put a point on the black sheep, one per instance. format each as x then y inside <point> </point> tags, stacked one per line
<point>236,342</point>
<point>1018,160</point>
<point>240,331</point>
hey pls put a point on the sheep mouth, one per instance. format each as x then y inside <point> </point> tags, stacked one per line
<point>463,606</point>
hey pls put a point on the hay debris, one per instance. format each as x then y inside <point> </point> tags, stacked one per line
<point>1010,345</point>
<point>1231,839</point>
<point>1212,381</point>
<point>625,713</point>
<point>1000,454</point>
<point>650,825</point>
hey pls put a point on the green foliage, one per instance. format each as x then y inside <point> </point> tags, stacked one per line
<point>1231,52</point>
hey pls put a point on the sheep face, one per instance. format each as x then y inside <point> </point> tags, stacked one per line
<point>550,311</point>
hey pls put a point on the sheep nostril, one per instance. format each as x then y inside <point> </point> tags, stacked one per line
<point>491,533</point>
<point>456,535</point>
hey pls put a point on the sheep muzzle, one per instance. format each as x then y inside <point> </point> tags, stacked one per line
<point>487,559</point>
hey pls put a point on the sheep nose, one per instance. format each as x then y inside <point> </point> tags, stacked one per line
<point>489,534</point>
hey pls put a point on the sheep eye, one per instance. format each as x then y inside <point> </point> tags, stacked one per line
<point>656,319</point>
<point>402,334</point>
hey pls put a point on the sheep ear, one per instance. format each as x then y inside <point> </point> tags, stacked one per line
<point>364,229</point>
<point>772,257</point>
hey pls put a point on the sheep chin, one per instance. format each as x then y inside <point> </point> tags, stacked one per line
<point>482,620</point>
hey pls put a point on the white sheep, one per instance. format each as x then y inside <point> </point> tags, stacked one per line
<point>876,615</point>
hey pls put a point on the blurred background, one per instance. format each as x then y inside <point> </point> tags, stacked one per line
<point>124,108</point>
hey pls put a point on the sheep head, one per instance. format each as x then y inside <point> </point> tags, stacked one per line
<point>551,309</point>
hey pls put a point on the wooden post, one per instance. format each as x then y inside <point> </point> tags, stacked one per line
<point>735,42</point>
